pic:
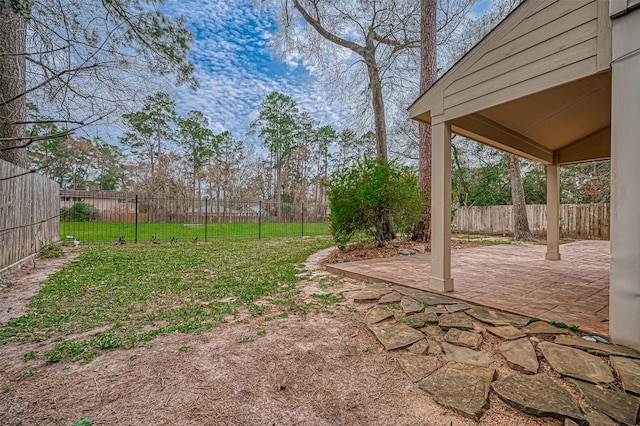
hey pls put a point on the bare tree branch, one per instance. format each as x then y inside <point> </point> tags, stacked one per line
<point>315,23</point>
<point>31,139</point>
<point>46,81</point>
<point>43,122</point>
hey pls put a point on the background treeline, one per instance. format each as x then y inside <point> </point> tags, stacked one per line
<point>165,154</point>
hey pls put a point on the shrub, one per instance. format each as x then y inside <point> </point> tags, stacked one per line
<point>363,196</point>
<point>49,250</point>
<point>79,212</point>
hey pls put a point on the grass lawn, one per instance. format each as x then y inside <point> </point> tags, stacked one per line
<point>109,232</point>
<point>138,292</point>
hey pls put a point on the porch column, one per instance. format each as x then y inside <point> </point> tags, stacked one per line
<point>441,208</point>
<point>624,290</point>
<point>553,212</point>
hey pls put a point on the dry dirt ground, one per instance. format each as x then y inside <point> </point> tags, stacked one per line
<point>18,288</point>
<point>324,369</point>
<point>370,250</point>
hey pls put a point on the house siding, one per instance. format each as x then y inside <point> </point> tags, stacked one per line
<point>537,52</point>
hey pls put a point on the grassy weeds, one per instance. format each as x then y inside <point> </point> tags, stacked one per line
<point>138,292</point>
<point>109,232</point>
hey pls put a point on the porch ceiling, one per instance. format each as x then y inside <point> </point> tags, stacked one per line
<point>538,85</point>
<point>565,124</point>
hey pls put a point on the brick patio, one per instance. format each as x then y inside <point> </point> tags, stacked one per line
<point>514,278</point>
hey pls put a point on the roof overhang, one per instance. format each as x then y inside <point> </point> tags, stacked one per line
<point>538,86</point>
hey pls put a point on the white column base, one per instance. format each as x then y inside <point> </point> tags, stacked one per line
<point>552,255</point>
<point>440,284</point>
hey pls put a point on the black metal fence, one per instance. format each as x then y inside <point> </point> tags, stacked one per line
<point>110,216</point>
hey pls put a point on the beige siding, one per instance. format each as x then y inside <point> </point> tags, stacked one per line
<point>514,43</point>
<point>555,17</point>
<point>536,51</point>
<point>542,44</point>
<point>494,68</point>
<point>560,76</point>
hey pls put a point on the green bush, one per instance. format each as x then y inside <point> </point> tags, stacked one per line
<point>363,196</point>
<point>49,250</point>
<point>79,212</point>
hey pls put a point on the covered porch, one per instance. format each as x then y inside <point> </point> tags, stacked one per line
<point>512,278</point>
<point>555,82</point>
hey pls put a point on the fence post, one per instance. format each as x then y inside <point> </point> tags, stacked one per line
<point>260,219</point>
<point>136,238</point>
<point>303,219</point>
<point>206,216</point>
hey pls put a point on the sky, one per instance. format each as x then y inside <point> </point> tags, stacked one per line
<point>481,6</point>
<point>237,70</point>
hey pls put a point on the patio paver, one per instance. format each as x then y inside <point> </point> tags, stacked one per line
<point>537,395</point>
<point>513,278</point>
<point>454,373</point>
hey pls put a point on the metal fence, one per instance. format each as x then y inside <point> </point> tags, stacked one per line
<point>110,216</point>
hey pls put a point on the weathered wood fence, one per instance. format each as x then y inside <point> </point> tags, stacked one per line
<point>580,221</point>
<point>29,213</point>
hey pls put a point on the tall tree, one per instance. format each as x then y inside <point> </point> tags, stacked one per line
<point>110,166</point>
<point>277,125</point>
<point>76,163</point>
<point>428,75</point>
<point>521,231</point>
<point>371,46</point>
<point>198,143</point>
<point>148,127</point>
<point>353,147</point>
<point>81,60</point>
<point>13,106</point>
<point>160,113</point>
<point>376,32</point>
<point>586,182</point>
<point>325,137</point>
<point>480,175</point>
<point>224,173</point>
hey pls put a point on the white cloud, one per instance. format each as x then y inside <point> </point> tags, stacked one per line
<point>236,69</point>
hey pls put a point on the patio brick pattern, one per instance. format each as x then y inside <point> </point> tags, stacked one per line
<point>514,278</point>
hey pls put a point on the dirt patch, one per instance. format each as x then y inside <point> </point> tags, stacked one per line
<point>324,368</point>
<point>311,371</point>
<point>18,288</point>
<point>370,250</point>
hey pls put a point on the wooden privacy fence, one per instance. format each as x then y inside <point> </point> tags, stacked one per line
<point>29,213</point>
<point>580,221</point>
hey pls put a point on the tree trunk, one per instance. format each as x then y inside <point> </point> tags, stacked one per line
<point>325,179</point>
<point>278,189</point>
<point>13,106</point>
<point>377,101</point>
<point>158,136</point>
<point>521,231</point>
<point>428,75</point>
<point>218,203</point>
<point>386,232</point>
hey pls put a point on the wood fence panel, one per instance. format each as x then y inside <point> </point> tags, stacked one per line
<point>29,213</point>
<point>580,221</point>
